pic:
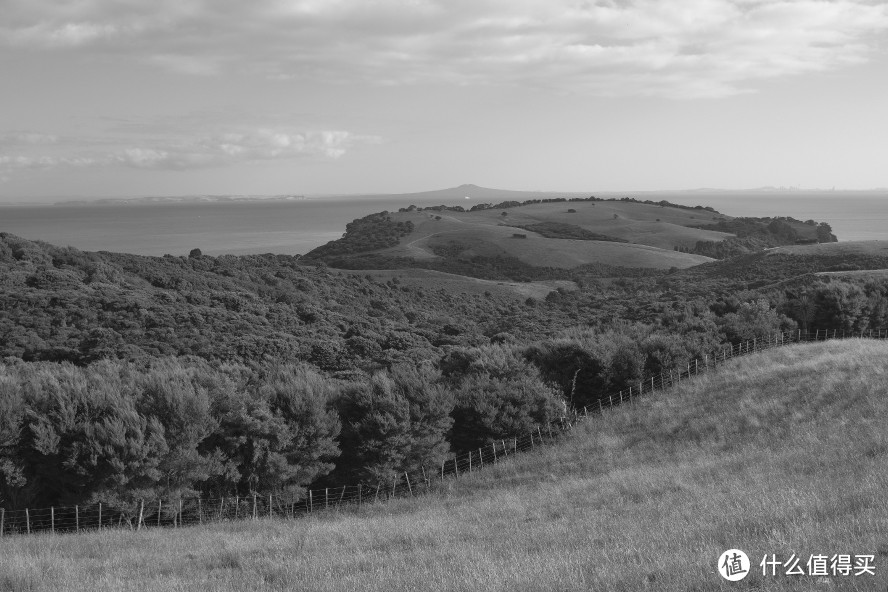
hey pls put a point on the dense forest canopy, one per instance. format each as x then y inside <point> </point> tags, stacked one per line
<point>124,377</point>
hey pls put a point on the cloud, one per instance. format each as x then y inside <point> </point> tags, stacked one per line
<point>27,138</point>
<point>231,148</point>
<point>682,48</point>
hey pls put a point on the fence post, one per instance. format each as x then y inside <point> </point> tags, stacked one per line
<point>611,399</point>
<point>456,466</point>
<point>270,506</point>
<point>326,498</point>
<point>341,496</point>
<point>515,444</point>
<point>531,440</point>
<point>696,369</point>
<point>100,515</point>
<point>141,514</point>
<point>159,502</point>
<point>481,455</point>
<point>28,520</point>
<point>376,497</point>
<point>199,511</point>
<point>505,451</point>
<point>179,514</point>
<point>221,507</point>
<point>621,397</point>
<point>425,477</point>
<point>409,488</point>
<point>52,519</point>
<point>470,461</point>
<point>540,434</point>
<point>493,445</point>
<point>442,469</point>
<point>77,518</point>
<point>236,506</point>
<point>2,520</point>
<point>255,515</point>
<point>600,410</point>
<point>311,500</point>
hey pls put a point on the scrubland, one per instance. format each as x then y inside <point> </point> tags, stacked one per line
<point>782,452</point>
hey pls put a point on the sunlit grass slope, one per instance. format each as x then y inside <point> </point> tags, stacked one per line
<point>782,452</point>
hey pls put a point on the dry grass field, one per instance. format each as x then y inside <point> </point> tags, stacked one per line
<point>873,247</point>
<point>432,280</point>
<point>782,452</point>
<point>652,232</point>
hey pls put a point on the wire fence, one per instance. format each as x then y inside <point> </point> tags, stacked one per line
<point>159,513</point>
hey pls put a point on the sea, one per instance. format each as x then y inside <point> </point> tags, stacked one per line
<point>298,226</point>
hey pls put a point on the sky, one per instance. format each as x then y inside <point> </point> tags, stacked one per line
<point>103,98</point>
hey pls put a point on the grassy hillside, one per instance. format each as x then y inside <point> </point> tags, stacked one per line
<point>635,235</point>
<point>782,453</point>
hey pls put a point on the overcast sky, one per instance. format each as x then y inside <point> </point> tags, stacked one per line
<point>172,97</point>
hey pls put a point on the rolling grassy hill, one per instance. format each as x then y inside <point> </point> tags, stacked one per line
<point>789,262</point>
<point>635,234</point>
<point>782,452</point>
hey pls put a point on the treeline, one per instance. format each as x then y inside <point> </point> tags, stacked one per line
<point>116,431</point>
<point>756,234</point>
<point>370,233</point>
<point>567,231</point>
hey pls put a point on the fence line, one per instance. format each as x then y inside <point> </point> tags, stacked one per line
<point>159,513</point>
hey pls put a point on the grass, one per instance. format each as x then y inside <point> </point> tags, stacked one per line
<point>783,452</point>
<point>870,247</point>
<point>435,280</point>
<point>655,230</point>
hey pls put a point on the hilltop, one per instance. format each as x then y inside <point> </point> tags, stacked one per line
<point>758,455</point>
<point>554,238</point>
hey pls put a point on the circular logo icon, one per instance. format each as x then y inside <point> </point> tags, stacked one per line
<point>733,565</point>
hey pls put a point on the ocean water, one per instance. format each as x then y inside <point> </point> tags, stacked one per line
<point>239,228</point>
<point>299,226</point>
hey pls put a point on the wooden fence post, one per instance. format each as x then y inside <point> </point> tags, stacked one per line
<point>159,502</point>
<point>481,456</point>
<point>28,520</point>
<point>611,399</point>
<point>409,488</point>
<point>456,465</point>
<point>442,469</point>
<point>2,520</point>
<point>221,507</point>
<point>199,511</point>
<point>77,518</point>
<point>493,445</point>
<point>141,514</point>
<point>531,440</point>
<point>270,506</point>
<point>180,511</point>
<point>236,505</point>
<point>100,515</point>
<point>326,498</point>
<point>255,512</point>
<point>376,497</point>
<point>425,478</point>
<point>311,500</point>
<point>341,496</point>
<point>600,410</point>
<point>470,461</point>
<point>52,519</point>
